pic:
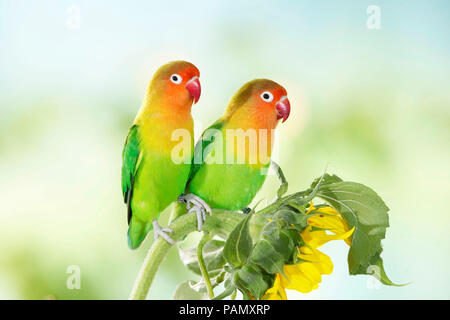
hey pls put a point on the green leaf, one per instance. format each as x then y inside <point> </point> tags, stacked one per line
<point>212,254</point>
<point>215,281</point>
<point>283,241</point>
<point>376,269</point>
<point>326,179</point>
<point>363,209</point>
<point>186,291</point>
<point>222,222</point>
<point>265,256</point>
<point>249,279</point>
<point>296,205</point>
<point>283,182</point>
<point>290,219</point>
<point>239,244</point>
<point>227,292</point>
<point>315,186</point>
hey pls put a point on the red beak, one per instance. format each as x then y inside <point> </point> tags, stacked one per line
<point>283,108</point>
<point>194,88</point>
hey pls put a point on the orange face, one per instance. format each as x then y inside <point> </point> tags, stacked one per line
<point>178,83</point>
<point>270,97</point>
<point>258,105</point>
<point>260,101</point>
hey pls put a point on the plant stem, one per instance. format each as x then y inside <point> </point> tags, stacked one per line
<point>206,237</point>
<point>159,249</point>
<point>233,295</point>
<point>226,293</point>
<point>223,223</point>
<point>283,182</point>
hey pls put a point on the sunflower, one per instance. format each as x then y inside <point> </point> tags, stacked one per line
<point>306,275</point>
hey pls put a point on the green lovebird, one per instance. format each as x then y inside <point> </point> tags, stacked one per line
<point>232,156</point>
<point>151,179</point>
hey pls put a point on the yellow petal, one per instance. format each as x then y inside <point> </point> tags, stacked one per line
<point>333,223</point>
<point>316,238</point>
<point>310,271</point>
<point>311,208</point>
<point>306,275</point>
<point>321,261</point>
<point>295,279</point>
<point>329,219</point>
<point>277,292</point>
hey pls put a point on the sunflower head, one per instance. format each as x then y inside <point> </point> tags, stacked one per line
<point>284,255</point>
<point>277,247</point>
<point>324,224</point>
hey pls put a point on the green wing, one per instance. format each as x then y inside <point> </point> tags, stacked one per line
<point>206,139</point>
<point>130,164</point>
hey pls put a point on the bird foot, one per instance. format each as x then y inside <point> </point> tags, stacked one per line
<point>162,232</point>
<point>196,204</point>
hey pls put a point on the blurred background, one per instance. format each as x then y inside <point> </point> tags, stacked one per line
<point>373,104</point>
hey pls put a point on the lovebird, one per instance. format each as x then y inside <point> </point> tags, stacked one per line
<point>151,179</point>
<point>255,110</point>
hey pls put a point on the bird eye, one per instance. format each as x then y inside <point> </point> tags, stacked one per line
<point>267,96</point>
<point>176,78</point>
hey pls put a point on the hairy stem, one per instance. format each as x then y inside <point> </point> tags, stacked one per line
<point>158,251</point>
<point>228,291</point>
<point>233,295</point>
<point>283,182</point>
<point>206,237</point>
<point>221,223</point>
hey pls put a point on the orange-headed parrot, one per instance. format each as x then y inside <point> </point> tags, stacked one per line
<point>151,179</point>
<point>251,115</point>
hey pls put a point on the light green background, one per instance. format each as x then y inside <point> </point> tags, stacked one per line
<point>372,104</point>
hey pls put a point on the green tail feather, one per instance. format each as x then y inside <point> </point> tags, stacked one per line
<point>137,231</point>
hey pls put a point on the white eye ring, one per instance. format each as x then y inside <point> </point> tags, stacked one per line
<point>267,96</point>
<point>176,78</point>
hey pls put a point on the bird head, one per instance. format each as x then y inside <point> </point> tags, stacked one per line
<point>177,83</point>
<point>261,98</point>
